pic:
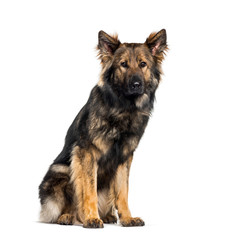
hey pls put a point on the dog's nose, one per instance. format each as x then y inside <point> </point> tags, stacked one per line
<point>136,85</point>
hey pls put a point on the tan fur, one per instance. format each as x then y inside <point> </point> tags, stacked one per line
<point>101,144</point>
<point>105,202</point>
<point>121,190</point>
<point>141,100</point>
<point>84,179</point>
<point>67,219</point>
<point>60,168</point>
<point>130,146</point>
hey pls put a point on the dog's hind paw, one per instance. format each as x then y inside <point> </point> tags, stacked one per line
<point>66,219</point>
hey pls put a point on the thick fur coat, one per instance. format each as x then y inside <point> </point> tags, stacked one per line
<point>88,181</point>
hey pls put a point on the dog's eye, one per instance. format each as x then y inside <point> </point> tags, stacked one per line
<point>124,64</point>
<point>143,64</point>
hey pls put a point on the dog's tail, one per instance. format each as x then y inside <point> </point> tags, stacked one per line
<point>55,193</point>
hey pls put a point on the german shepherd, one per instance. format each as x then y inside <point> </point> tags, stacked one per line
<point>88,181</point>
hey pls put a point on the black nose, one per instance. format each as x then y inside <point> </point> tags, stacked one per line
<point>136,85</point>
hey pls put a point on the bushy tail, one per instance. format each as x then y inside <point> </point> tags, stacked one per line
<point>55,193</point>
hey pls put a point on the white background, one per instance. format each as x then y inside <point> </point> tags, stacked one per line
<point>48,65</point>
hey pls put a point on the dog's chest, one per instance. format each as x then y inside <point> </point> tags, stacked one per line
<point>117,139</point>
<point>119,133</point>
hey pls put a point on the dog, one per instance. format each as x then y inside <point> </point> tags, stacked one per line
<point>88,182</point>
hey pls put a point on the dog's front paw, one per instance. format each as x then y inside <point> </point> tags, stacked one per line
<point>93,223</point>
<point>131,222</point>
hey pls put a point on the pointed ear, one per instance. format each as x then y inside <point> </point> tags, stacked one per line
<point>156,42</point>
<point>107,45</point>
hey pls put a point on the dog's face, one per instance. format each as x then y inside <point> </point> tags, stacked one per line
<point>133,68</point>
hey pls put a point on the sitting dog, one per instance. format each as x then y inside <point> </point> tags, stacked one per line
<point>88,181</point>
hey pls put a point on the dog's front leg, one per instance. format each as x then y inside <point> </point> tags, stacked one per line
<point>84,180</point>
<point>121,190</point>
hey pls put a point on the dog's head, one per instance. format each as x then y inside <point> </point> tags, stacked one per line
<point>132,69</point>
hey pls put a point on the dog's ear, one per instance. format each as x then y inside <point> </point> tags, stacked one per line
<point>107,45</point>
<point>157,44</point>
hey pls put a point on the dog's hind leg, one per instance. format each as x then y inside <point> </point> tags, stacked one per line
<point>55,195</point>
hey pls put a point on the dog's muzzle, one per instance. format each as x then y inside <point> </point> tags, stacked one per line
<point>136,85</point>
